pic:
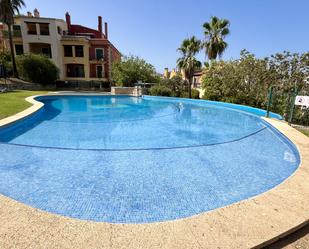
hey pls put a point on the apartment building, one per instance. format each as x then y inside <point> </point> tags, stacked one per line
<point>80,53</point>
<point>170,74</point>
<point>197,77</point>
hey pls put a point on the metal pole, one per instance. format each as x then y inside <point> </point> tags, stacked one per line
<point>4,75</point>
<point>294,94</point>
<point>270,96</point>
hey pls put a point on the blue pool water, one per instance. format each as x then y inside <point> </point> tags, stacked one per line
<point>136,160</point>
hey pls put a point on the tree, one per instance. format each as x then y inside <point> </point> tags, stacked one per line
<point>215,31</point>
<point>247,80</point>
<point>244,81</point>
<point>8,8</point>
<point>187,62</point>
<point>131,70</point>
<point>160,90</point>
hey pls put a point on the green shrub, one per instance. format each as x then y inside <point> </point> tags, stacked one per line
<point>195,94</point>
<point>37,69</point>
<point>5,60</point>
<point>176,84</point>
<point>160,90</point>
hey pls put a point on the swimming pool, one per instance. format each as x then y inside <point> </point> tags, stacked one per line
<point>125,159</point>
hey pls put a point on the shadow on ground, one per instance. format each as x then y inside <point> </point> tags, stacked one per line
<point>298,239</point>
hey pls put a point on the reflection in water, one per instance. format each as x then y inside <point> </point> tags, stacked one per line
<point>142,185</point>
<point>31,122</point>
<point>105,122</point>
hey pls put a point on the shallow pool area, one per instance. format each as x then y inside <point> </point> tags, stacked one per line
<point>125,159</point>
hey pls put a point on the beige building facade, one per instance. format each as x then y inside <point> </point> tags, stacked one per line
<point>80,53</point>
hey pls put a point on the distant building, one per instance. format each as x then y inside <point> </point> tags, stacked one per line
<point>80,53</point>
<point>197,78</point>
<point>166,73</point>
<point>170,74</point>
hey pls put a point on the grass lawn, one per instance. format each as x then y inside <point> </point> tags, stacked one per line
<point>14,102</point>
<point>305,131</point>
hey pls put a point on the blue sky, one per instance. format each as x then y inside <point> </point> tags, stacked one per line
<point>154,29</point>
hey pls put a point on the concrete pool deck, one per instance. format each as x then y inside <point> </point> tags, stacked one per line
<point>254,222</point>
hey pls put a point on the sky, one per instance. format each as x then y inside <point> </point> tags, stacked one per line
<point>154,29</point>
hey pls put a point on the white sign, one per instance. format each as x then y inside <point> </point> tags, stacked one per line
<point>302,100</point>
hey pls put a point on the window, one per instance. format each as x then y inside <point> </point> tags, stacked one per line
<point>75,71</point>
<point>40,48</point>
<point>79,51</point>
<point>44,29</point>
<point>99,71</point>
<point>16,27</point>
<point>31,28</point>
<point>19,49</point>
<point>99,53</point>
<point>46,51</point>
<point>16,31</point>
<point>59,30</point>
<point>68,52</point>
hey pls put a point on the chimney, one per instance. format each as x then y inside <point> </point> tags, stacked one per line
<point>36,13</point>
<point>29,14</point>
<point>166,73</point>
<point>106,30</point>
<point>100,29</point>
<point>68,20</point>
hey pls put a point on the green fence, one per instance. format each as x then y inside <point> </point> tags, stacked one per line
<point>282,101</point>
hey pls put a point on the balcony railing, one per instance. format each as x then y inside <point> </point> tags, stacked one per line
<point>15,34</point>
<point>94,58</point>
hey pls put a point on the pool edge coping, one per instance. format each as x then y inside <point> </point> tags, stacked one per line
<point>228,212</point>
<point>37,105</point>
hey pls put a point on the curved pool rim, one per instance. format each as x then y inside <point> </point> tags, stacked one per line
<point>37,105</point>
<point>241,108</point>
<point>262,220</point>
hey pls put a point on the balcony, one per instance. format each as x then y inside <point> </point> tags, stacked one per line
<point>97,61</point>
<point>41,48</point>
<point>15,34</point>
<point>97,56</point>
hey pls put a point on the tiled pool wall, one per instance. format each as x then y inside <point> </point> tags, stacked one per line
<point>248,109</point>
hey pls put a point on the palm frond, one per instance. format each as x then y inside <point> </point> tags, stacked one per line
<point>214,32</point>
<point>17,5</point>
<point>9,8</point>
<point>214,20</point>
<point>224,23</point>
<point>225,32</point>
<point>206,26</point>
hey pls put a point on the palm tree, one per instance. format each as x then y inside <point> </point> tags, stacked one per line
<point>8,8</point>
<point>215,31</point>
<point>188,63</point>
